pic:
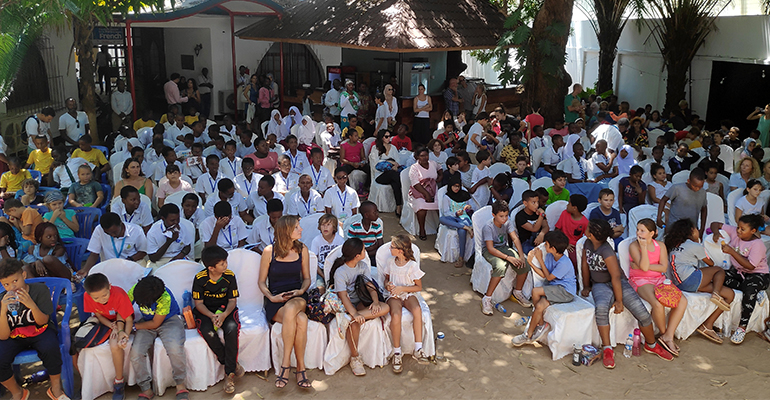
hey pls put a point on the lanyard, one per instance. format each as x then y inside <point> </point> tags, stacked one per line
<point>211,181</point>
<point>246,183</point>
<point>229,236</point>
<point>294,160</point>
<point>232,166</point>
<point>316,178</point>
<point>342,199</point>
<point>125,217</point>
<point>115,249</point>
<point>272,235</point>
<point>307,205</point>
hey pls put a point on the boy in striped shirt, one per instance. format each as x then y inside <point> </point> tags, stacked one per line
<point>369,229</point>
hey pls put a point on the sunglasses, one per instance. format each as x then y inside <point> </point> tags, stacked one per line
<point>342,178</point>
<point>386,136</point>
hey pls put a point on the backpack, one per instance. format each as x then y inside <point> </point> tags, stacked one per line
<point>24,133</point>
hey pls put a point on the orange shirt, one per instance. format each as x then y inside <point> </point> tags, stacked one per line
<point>30,216</point>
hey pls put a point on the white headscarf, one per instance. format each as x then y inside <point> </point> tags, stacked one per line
<point>291,121</point>
<point>306,132</point>
<point>279,128</point>
<point>625,164</point>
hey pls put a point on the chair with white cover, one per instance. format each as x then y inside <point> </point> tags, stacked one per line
<point>680,177</point>
<point>482,270</point>
<point>374,346</point>
<point>653,134</point>
<point>537,157</point>
<point>178,197</point>
<point>639,213</point>
<point>590,207</point>
<point>316,334</point>
<point>368,145</point>
<point>553,212</point>
<point>571,322</point>
<point>447,240</point>
<point>408,215</point>
<point>178,276</point>
<point>727,155</point>
<point>732,198</point>
<point>406,158</point>
<point>263,128</point>
<point>715,209</point>
<point>737,157</point>
<point>766,157</point>
<point>379,194</point>
<point>614,185</point>
<point>95,363</point>
<point>309,225</point>
<point>544,182</point>
<point>407,333</point>
<point>498,168</point>
<point>562,165</point>
<point>348,222</point>
<point>519,186</point>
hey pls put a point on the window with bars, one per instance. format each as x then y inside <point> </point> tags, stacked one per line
<point>299,63</point>
<point>38,83</point>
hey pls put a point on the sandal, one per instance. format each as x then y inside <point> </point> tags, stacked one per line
<point>144,396</point>
<point>670,349</point>
<point>183,395</point>
<point>720,302</point>
<point>423,237</point>
<point>280,380</point>
<point>303,383</point>
<point>709,334</point>
<point>51,396</point>
<point>24,394</point>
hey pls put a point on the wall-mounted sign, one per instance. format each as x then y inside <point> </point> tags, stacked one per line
<point>109,35</point>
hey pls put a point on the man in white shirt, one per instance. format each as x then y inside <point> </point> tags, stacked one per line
<point>204,87</point>
<point>474,136</point>
<point>65,170</point>
<point>131,209</point>
<point>177,132</point>
<point>226,192</point>
<point>263,232</point>
<point>114,238</point>
<point>322,178</point>
<point>611,135</point>
<point>222,228</point>
<point>72,124</point>
<point>258,199</point>
<point>206,185</point>
<point>577,166</point>
<point>122,105</point>
<point>247,182</point>
<point>297,158</point>
<point>341,200</point>
<point>306,200</point>
<point>332,99</point>
<point>166,240</point>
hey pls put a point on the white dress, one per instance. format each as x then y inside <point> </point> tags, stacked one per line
<point>402,276</point>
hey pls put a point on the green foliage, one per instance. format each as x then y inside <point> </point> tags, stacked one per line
<point>587,92</point>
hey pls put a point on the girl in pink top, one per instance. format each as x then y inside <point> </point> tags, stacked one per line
<point>352,158</point>
<point>649,261</point>
<point>748,265</point>
<point>265,161</point>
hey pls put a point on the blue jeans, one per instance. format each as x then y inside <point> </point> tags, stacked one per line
<point>604,297</point>
<point>458,224</point>
<point>172,334</point>
<point>529,244</point>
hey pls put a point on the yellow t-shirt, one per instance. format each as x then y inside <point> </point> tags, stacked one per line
<point>94,156</point>
<point>139,124</point>
<point>163,118</point>
<point>11,182</point>
<point>189,119</point>
<point>358,128</point>
<point>42,160</point>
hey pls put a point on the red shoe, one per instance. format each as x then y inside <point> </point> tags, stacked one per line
<point>608,358</point>
<point>659,351</point>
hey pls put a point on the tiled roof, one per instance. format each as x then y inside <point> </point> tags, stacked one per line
<point>385,25</point>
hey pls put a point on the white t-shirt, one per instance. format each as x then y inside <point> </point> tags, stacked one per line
<point>196,218</point>
<point>551,157</point>
<point>74,127</point>
<point>610,134</point>
<point>341,203</point>
<point>230,169</point>
<point>296,205</point>
<point>539,142</point>
<point>440,159</point>
<point>481,196</point>
<point>322,179</point>
<point>321,248</point>
<point>123,247</point>
<point>283,185</point>
<point>142,216</point>
<point>748,208</point>
<point>156,238</point>
<point>237,202</point>
<point>207,185</point>
<point>573,167</point>
<point>61,176</point>
<point>476,131</point>
<point>298,162</point>
<point>381,117</point>
<point>244,151</point>
<point>244,186</point>
<point>262,234</point>
<point>229,236</point>
<point>173,132</point>
<point>660,190</point>
<point>259,203</point>
<point>35,127</point>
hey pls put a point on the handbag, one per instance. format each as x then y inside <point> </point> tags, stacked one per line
<point>333,306</point>
<point>383,166</point>
<point>315,307</point>
<point>430,187</point>
<point>668,294</point>
<point>363,283</point>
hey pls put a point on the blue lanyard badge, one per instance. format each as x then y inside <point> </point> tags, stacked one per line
<point>232,166</point>
<point>316,178</point>
<point>229,236</point>
<point>342,199</point>
<point>307,205</point>
<point>115,249</point>
<point>212,182</point>
<point>293,160</point>
<point>127,219</point>
<point>246,183</point>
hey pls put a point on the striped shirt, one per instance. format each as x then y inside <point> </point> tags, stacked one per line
<point>370,236</point>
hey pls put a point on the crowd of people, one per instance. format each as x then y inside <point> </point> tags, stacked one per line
<point>186,187</point>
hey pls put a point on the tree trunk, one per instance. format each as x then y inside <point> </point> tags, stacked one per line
<point>676,82</point>
<point>548,89</point>
<point>86,57</point>
<point>607,52</point>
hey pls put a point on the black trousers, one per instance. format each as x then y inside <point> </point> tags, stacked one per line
<point>46,344</point>
<point>750,285</point>
<point>393,179</point>
<point>227,353</point>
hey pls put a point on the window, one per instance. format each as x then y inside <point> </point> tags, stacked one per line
<point>299,63</point>
<point>38,83</point>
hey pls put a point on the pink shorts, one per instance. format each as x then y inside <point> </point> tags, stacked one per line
<point>641,280</point>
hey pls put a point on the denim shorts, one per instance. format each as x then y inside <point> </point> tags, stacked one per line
<point>692,283</point>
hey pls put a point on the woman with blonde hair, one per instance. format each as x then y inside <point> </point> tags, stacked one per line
<point>745,170</point>
<point>286,265</point>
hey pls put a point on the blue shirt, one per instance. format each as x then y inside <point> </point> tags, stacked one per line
<point>165,305</point>
<point>613,219</point>
<point>563,271</point>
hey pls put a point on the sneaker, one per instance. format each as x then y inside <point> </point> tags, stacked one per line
<point>230,383</point>
<point>119,391</point>
<point>357,365</point>
<point>239,371</point>
<point>659,351</point>
<point>520,340</point>
<point>397,365</point>
<point>518,296</point>
<point>738,336</point>
<point>486,306</point>
<point>540,332</point>
<point>608,358</point>
<point>420,357</point>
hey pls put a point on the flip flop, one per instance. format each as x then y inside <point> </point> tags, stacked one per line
<point>709,334</point>
<point>183,395</point>
<point>667,347</point>
<point>24,394</point>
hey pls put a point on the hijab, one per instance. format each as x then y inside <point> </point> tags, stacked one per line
<point>291,121</point>
<point>306,132</point>
<point>280,130</point>
<point>461,196</point>
<point>625,164</point>
<point>746,152</point>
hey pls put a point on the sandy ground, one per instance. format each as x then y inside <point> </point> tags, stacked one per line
<point>482,363</point>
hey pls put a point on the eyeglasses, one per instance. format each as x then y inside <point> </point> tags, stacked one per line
<point>342,178</point>
<point>386,136</point>
<point>77,121</point>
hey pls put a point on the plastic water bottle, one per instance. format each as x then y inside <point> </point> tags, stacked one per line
<point>628,350</point>
<point>187,299</point>
<point>724,265</point>
<point>37,377</point>
<point>522,321</point>
<point>499,307</point>
<point>577,351</point>
<point>637,350</point>
<point>13,303</point>
<point>220,311</point>
<point>440,347</point>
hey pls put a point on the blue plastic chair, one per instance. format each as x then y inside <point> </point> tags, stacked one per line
<point>77,251</point>
<point>40,209</point>
<point>41,191</point>
<point>36,175</point>
<point>87,218</point>
<point>56,286</point>
<point>104,150</point>
<point>107,197</point>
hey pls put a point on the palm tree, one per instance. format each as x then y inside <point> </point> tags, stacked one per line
<point>679,28</point>
<point>607,18</point>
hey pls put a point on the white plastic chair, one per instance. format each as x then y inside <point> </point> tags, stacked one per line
<point>639,213</point>
<point>498,168</point>
<point>316,335</point>
<point>766,157</point>
<point>407,333</point>
<point>716,209</point>
<point>732,198</point>
<point>482,270</point>
<point>368,145</point>
<point>178,197</point>
<point>447,241</point>
<point>590,207</point>
<point>614,185</point>
<point>263,128</point>
<point>725,183</point>
<point>309,225</point>
<point>544,182</point>
<point>381,195</point>
<point>553,212</point>
<point>537,157</point>
<point>680,177</point>
<point>95,363</point>
<point>727,154</point>
<point>653,134</point>
<point>374,346</point>
<point>408,217</point>
<point>519,186</point>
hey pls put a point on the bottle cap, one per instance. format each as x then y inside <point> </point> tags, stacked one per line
<point>440,335</point>
<point>667,281</point>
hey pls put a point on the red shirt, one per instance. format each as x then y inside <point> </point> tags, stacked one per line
<point>401,144</point>
<point>534,120</point>
<point>118,304</point>
<point>573,229</point>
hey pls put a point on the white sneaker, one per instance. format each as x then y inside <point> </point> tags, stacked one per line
<point>357,365</point>
<point>519,297</point>
<point>398,366</point>
<point>420,357</point>
<point>520,340</point>
<point>540,332</point>
<point>486,306</point>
